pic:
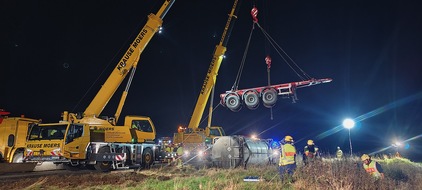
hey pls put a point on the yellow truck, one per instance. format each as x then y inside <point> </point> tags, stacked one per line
<point>13,133</point>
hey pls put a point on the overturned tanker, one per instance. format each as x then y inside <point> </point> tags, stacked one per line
<point>236,151</point>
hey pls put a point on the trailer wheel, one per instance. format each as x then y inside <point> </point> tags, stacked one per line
<point>103,166</point>
<point>18,157</point>
<point>147,158</point>
<point>233,102</point>
<point>251,99</point>
<point>269,97</point>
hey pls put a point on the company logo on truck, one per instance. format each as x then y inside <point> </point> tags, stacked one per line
<point>45,145</point>
<point>130,51</point>
<point>100,128</point>
<point>204,85</point>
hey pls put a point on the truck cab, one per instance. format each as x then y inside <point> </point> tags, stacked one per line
<point>13,133</point>
<point>45,142</point>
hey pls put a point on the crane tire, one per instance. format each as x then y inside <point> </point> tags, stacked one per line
<point>147,158</point>
<point>103,166</point>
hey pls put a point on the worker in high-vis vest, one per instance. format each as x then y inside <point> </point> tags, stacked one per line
<point>372,167</point>
<point>179,155</point>
<point>287,164</point>
<point>339,153</point>
<point>169,151</point>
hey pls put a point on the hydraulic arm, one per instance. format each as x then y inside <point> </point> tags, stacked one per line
<point>127,62</point>
<point>212,73</point>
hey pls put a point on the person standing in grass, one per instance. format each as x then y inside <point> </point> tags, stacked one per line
<point>310,152</point>
<point>372,167</point>
<point>339,153</point>
<point>179,154</point>
<point>287,163</point>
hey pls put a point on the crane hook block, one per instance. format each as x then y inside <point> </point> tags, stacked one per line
<point>268,61</point>
<point>254,13</point>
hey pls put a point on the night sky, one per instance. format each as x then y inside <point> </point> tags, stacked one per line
<point>57,55</point>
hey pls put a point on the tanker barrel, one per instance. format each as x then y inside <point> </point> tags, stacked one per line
<point>226,152</point>
<point>259,152</point>
<point>234,151</point>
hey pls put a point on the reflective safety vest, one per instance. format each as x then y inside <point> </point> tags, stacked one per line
<point>179,151</point>
<point>288,154</point>
<point>339,154</point>
<point>371,168</point>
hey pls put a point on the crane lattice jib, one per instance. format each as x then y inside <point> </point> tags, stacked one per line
<point>128,61</point>
<point>212,72</point>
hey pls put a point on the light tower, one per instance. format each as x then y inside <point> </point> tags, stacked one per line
<point>349,124</point>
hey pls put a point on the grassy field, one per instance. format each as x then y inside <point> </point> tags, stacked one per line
<point>322,174</point>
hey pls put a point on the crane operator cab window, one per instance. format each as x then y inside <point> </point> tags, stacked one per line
<point>142,125</point>
<point>216,132</point>
<point>75,131</point>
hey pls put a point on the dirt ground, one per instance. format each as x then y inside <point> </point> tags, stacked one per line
<point>78,181</point>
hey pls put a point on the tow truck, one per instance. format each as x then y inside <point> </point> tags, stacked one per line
<point>13,132</point>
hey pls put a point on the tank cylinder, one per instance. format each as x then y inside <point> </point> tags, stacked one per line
<point>235,151</point>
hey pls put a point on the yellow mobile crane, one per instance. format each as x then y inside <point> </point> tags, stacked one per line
<point>197,141</point>
<point>88,139</point>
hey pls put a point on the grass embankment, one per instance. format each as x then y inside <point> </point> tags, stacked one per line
<point>326,174</point>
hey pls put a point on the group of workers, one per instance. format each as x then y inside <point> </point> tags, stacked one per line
<point>177,151</point>
<point>287,163</point>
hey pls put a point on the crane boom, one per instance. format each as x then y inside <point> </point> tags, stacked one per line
<point>212,72</point>
<point>128,61</point>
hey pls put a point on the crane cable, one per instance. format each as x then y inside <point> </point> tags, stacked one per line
<point>276,46</point>
<point>242,64</point>
<point>268,62</point>
<point>304,75</point>
<point>254,14</point>
<point>287,59</point>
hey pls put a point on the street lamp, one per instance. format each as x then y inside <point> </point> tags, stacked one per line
<point>348,124</point>
<point>254,137</point>
<point>397,144</point>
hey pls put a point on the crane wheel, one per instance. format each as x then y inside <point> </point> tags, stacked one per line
<point>103,166</point>
<point>147,158</point>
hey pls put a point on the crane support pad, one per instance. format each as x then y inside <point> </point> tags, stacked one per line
<point>16,167</point>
